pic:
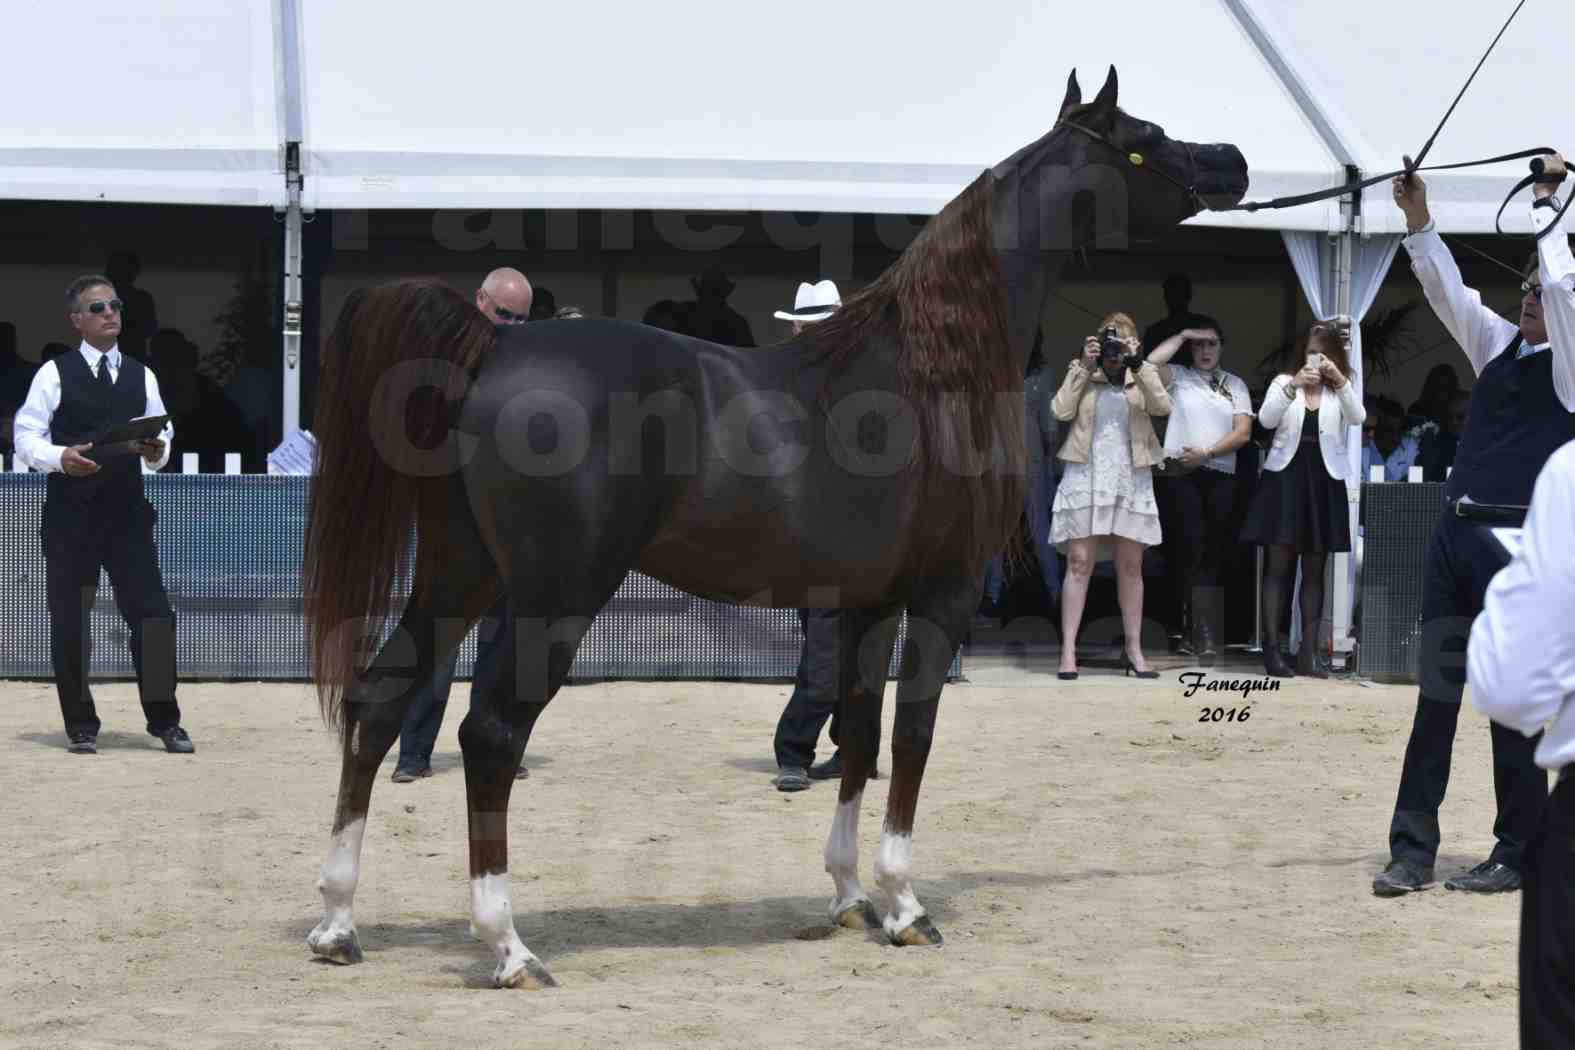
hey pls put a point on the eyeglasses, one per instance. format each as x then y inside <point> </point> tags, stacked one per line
<point>504,314</point>
<point>98,306</point>
<point>1534,289</point>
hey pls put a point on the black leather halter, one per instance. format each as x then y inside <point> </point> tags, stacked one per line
<point>1137,160</point>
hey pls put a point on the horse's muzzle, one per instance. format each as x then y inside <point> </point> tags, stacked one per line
<point>1221,179</point>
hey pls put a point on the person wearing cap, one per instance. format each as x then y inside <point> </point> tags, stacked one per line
<point>814,696</point>
<point>1522,410</point>
<point>1521,663</point>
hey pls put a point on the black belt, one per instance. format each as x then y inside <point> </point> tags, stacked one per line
<point>1492,513</point>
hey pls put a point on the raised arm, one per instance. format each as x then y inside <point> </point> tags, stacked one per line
<point>1556,271</point>
<point>1162,353</point>
<point>1481,333</point>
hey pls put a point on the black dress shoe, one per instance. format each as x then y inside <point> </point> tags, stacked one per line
<point>176,742</point>
<point>82,744</point>
<point>830,769</point>
<point>1067,676</point>
<point>1402,877</point>
<point>792,778</point>
<point>1488,877</point>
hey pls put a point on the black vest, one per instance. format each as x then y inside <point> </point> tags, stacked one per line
<point>85,409</point>
<point>1514,422</point>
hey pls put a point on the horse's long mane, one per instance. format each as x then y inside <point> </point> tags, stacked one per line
<point>944,303</point>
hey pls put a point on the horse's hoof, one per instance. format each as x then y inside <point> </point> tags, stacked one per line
<point>920,934</point>
<point>530,975</point>
<point>337,946</point>
<point>860,915</point>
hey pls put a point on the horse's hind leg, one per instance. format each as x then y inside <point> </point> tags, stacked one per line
<point>935,631</point>
<point>546,623</point>
<point>431,628</point>
<point>864,642</point>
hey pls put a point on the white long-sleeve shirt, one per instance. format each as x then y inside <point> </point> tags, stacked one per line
<point>1521,657</point>
<point>30,432</point>
<point>1483,334</point>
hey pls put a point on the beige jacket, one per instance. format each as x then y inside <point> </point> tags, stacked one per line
<point>1146,396</point>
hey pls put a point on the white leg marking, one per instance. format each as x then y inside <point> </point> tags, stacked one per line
<point>842,857</point>
<point>341,871</point>
<point>492,921</point>
<point>893,868</point>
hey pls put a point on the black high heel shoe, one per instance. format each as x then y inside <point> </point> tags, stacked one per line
<point>1127,668</point>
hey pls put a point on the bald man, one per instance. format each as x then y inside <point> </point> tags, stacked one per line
<point>505,296</point>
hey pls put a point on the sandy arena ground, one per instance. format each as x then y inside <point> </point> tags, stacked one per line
<point>1107,871</point>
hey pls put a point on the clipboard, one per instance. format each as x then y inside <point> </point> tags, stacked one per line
<point>139,429</point>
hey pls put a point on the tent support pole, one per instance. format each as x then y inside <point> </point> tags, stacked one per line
<point>1341,586</point>
<point>290,322</point>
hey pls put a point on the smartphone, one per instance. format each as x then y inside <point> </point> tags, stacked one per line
<point>1315,360</point>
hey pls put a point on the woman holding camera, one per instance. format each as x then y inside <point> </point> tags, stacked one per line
<point>1300,508</point>
<point>1105,503</point>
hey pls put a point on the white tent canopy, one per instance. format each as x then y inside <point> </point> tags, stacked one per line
<point>173,103</point>
<point>872,106</point>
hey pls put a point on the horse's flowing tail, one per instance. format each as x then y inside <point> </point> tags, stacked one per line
<point>395,368</point>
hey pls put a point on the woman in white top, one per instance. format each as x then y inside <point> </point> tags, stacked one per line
<point>1300,507</point>
<point>1104,505</point>
<point>1210,418</point>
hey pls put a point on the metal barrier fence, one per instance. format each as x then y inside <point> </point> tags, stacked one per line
<point>230,551</point>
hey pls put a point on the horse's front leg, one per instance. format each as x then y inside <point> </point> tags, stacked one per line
<point>931,645</point>
<point>864,643</point>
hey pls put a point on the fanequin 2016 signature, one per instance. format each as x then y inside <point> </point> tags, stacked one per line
<point>1194,680</point>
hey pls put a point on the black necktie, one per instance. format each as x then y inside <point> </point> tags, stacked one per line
<point>104,381</point>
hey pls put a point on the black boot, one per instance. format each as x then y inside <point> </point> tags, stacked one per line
<point>1273,663</point>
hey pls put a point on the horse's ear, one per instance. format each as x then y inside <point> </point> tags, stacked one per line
<point>1106,101</point>
<point>1074,94</point>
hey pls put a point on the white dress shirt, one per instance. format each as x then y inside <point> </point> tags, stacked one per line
<point>1483,334</point>
<point>1201,417</point>
<point>30,432</point>
<point>1521,658</point>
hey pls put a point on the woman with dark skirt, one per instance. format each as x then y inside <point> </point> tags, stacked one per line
<point>1301,506</point>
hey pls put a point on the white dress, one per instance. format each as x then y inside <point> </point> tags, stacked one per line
<point>1107,496</point>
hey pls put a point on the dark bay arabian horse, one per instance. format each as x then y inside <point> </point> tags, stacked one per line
<point>873,463</point>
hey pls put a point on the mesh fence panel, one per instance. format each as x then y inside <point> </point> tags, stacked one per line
<point>230,550</point>
<point>1398,520</point>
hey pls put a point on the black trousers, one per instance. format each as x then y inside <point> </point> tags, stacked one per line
<point>424,717</point>
<point>814,696</point>
<point>1547,926</point>
<point>1460,563</point>
<point>78,541</point>
<point>1197,528</point>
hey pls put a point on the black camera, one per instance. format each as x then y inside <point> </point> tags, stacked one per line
<point>1113,350</point>
<point>1111,343</point>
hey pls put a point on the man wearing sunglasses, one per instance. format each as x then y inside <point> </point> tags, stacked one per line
<point>96,515</point>
<point>1522,409</point>
<point>505,297</point>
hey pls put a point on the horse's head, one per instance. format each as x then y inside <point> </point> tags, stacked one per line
<point>1142,181</point>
